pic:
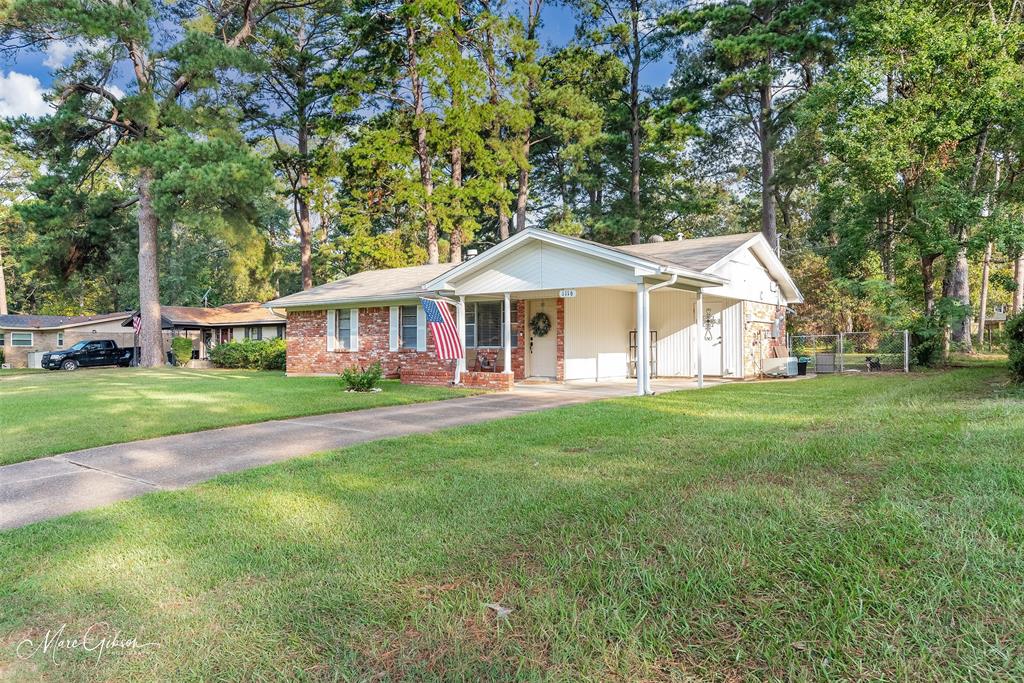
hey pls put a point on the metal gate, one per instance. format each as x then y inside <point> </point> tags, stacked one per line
<point>852,351</point>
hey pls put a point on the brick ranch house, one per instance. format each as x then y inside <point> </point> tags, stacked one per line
<point>25,337</point>
<point>547,306</point>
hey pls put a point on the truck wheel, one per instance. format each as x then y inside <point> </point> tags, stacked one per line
<point>69,365</point>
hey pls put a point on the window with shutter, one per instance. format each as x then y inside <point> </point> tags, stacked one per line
<point>409,326</point>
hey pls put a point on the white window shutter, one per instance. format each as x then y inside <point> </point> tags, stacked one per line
<point>331,327</point>
<point>393,345</point>
<point>421,329</point>
<point>354,339</point>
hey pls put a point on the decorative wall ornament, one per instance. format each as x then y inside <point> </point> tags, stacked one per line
<point>540,324</point>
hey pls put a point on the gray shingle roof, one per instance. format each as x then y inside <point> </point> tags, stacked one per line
<point>37,322</point>
<point>390,283</point>
<point>696,254</point>
<point>407,283</point>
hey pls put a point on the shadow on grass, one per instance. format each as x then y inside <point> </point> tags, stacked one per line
<point>688,535</point>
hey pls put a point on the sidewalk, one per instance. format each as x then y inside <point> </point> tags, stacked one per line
<point>50,487</point>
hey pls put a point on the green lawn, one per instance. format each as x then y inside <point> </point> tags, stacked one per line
<point>859,527</point>
<point>42,413</point>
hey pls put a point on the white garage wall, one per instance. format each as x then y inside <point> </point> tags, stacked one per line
<point>597,325</point>
<point>732,339</point>
<point>672,317</point>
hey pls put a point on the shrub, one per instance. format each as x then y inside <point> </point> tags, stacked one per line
<point>182,348</point>
<point>357,379</point>
<point>1015,346</point>
<point>251,354</point>
<point>2,359</point>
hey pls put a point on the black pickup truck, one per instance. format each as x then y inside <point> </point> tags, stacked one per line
<point>88,354</point>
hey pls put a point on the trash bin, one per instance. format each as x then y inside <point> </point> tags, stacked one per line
<point>801,365</point>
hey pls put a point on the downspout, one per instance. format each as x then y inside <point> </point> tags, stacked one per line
<point>647,314</point>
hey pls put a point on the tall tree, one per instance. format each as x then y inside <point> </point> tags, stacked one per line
<point>289,102</point>
<point>759,57</point>
<point>173,49</point>
<point>632,31</point>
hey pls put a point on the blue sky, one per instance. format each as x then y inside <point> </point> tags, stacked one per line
<point>24,79</point>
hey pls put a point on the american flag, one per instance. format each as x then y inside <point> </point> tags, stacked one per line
<point>446,335</point>
<point>137,324</point>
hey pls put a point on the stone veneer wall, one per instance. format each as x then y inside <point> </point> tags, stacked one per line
<point>757,333</point>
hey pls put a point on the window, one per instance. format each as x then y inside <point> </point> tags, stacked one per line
<point>21,339</point>
<point>254,333</point>
<point>485,323</point>
<point>409,326</point>
<point>280,331</point>
<point>60,339</point>
<point>1,338</point>
<point>343,329</point>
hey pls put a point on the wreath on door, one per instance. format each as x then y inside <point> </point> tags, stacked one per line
<point>540,324</point>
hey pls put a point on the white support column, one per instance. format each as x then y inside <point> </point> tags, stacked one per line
<point>506,337</point>
<point>641,353</point>
<point>647,341</point>
<point>700,340</point>
<point>460,323</point>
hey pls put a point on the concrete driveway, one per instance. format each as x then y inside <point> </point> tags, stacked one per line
<point>41,489</point>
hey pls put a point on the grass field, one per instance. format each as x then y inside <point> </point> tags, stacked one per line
<point>842,527</point>
<point>43,413</point>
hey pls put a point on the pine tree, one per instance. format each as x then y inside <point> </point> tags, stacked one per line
<point>166,134</point>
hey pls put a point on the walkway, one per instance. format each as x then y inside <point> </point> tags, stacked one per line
<point>50,487</point>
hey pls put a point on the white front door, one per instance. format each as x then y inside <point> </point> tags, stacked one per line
<point>709,327</point>
<point>541,349</point>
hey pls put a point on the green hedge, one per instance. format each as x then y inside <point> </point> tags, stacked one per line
<point>268,354</point>
<point>1015,346</point>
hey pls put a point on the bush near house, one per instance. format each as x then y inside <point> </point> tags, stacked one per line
<point>268,354</point>
<point>362,379</point>
<point>182,348</point>
<point>1015,346</point>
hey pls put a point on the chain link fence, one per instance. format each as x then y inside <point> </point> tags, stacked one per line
<point>852,352</point>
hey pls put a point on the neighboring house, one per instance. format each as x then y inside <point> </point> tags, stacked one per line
<point>543,305</point>
<point>207,327</point>
<point>22,335</point>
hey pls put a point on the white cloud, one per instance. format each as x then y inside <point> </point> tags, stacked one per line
<point>21,94</point>
<point>60,52</point>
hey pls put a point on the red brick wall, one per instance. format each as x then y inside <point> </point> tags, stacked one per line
<point>308,354</point>
<point>560,340</point>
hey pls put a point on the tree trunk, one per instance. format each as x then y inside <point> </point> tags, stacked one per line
<point>422,150</point>
<point>768,226</point>
<point>455,243</point>
<point>634,123</point>
<point>886,247</point>
<point>983,301</point>
<point>150,337</point>
<point>496,133</point>
<point>302,210</point>
<point>3,286</point>
<point>959,285</point>
<point>928,278</point>
<point>1018,278</point>
<point>523,191</point>
<point>503,218</point>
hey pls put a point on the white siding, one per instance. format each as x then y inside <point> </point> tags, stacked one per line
<point>672,317</point>
<point>732,339</point>
<point>538,266</point>
<point>597,325</point>
<point>748,280</point>
<point>238,333</point>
